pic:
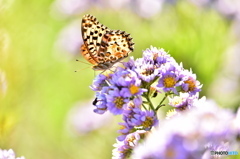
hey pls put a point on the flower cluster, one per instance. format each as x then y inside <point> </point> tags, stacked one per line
<point>123,149</point>
<point>128,91</point>
<point>66,8</point>
<point>192,135</point>
<point>8,154</point>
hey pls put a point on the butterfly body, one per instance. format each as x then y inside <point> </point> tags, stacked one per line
<point>102,46</point>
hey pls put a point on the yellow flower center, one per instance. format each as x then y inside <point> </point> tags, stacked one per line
<point>176,100</point>
<point>119,102</point>
<point>133,89</point>
<point>169,82</point>
<point>148,122</point>
<point>191,84</point>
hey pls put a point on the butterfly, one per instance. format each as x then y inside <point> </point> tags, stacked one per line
<point>102,46</point>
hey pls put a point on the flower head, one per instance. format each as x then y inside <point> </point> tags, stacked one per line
<point>99,82</point>
<point>183,101</point>
<point>187,135</point>
<point>169,82</point>
<point>157,56</point>
<point>124,148</point>
<point>116,101</point>
<point>190,84</point>
<point>100,101</point>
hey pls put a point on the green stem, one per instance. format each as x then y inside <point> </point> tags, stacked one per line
<point>160,104</point>
<point>144,106</point>
<point>146,95</point>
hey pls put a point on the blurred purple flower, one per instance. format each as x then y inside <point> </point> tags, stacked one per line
<point>236,123</point>
<point>8,154</point>
<point>229,8</point>
<point>147,8</point>
<point>83,120</point>
<point>65,8</point>
<point>184,136</point>
<point>228,77</point>
<point>118,4</point>
<point>69,41</point>
<point>201,3</point>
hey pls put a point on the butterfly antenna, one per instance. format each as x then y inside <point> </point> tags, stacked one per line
<point>82,69</point>
<point>83,62</point>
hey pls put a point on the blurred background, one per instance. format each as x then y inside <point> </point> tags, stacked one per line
<point>46,107</point>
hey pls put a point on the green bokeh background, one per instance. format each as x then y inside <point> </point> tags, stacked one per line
<point>42,89</point>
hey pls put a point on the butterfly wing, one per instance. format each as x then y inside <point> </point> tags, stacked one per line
<point>92,32</point>
<point>115,46</point>
<point>103,47</point>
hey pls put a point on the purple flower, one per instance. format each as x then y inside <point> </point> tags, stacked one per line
<point>8,154</point>
<point>130,64</point>
<point>169,82</point>
<point>190,84</point>
<point>125,129</point>
<point>183,101</point>
<point>124,148</point>
<point>69,41</point>
<point>116,101</point>
<point>100,102</point>
<point>146,70</point>
<point>128,90</point>
<point>125,78</point>
<point>186,135</point>
<point>144,120</point>
<point>128,82</point>
<point>99,82</point>
<point>157,56</point>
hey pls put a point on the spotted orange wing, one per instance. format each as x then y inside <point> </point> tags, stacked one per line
<point>103,47</point>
